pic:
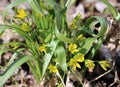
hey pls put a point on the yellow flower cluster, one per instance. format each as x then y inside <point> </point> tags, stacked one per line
<point>25,27</point>
<point>72,48</point>
<point>104,64</point>
<point>52,68</point>
<point>74,62</point>
<point>42,48</point>
<point>89,64</point>
<point>21,14</point>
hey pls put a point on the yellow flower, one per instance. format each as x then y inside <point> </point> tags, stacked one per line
<point>1,34</point>
<point>72,26</point>
<point>39,15</point>
<point>104,64</point>
<point>72,48</point>
<point>21,14</point>
<point>42,48</point>
<point>81,37</point>
<point>89,64</point>
<point>78,17</point>
<point>74,62</point>
<point>79,57</point>
<point>14,46</point>
<point>25,27</point>
<point>52,68</point>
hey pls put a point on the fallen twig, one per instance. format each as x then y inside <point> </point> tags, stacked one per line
<point>103,74</point>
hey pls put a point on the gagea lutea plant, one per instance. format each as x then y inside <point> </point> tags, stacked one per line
<point>51,43</point>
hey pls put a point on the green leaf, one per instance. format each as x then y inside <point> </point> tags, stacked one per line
<point>34,6</point>
<point>12,44</point>
<point>6,50</point>
<point>11,69</point>
<point>103,25</point>
<point>58,19</point>
<point>52,45</point>
<point>112,9</point>
<point>95,48</point>
<point>3,28</point>
<point>14,56</point>
<point>62,37</point>
<point>87,45</point>
<point>51,3</point>
<point>61,57</point>
<point>69,3</point>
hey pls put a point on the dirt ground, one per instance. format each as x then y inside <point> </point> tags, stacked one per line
<point>24,78</point>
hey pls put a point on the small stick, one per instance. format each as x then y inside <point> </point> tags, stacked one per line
<point>103,74</point>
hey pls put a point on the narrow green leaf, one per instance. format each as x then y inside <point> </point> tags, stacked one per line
<point>49,55</point>
<point>34,6</point>
<point>12,44</point>
<point>112,9</point>
<point>11,69</point>
<point>58,19</point>
<point>95,48</point>
<point>6,50</point>
<point>61,57</point>
<point>14,56</point>
<point>62,37</point>
<point>103,25</point>
<point>51,3</point>
<point>3,28</point>
<point>87,45</point>
<point>69,3</point>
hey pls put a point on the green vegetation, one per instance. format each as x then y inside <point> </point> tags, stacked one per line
<point>50,42</point>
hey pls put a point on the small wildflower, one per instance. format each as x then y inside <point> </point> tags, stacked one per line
<point>73,26</point>
<point>104,64</point>
<point>25,27</point>
<point>52,68</point>
<point>78,16</point>
<point>80,36</point>
<point>79,57</point>
<point>14,46</point>
<point>1,34</point>
<point>39,15</point>
<point>21,14</point>
<point>74,62</point>
<point>89,64</point>
<point>72,48</point>
<point>42,48</point>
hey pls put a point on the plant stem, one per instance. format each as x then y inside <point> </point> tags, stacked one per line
<point>61,79</point>
<point>77,77</point>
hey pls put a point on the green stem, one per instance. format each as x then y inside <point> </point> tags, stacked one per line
<point>112,9</point>
<point>33,71</point>
<point>61,79</point>
<point>77,77</point>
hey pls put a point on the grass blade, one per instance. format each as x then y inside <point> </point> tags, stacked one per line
<point>11,69</point>
<point>49,55</point>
